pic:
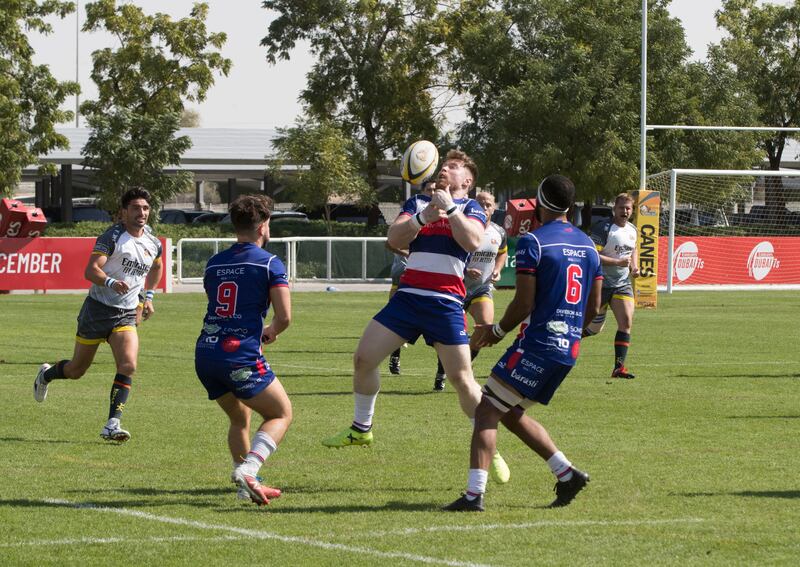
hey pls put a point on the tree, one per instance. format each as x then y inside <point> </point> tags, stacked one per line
<point>327,161</point>
<point>190,118</point>
<point>376,62</point>
<point>142,85</point>
<point>554,86</point>
<point>763,49</point>
<point>30,97</point>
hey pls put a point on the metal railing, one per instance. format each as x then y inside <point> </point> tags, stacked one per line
<point>303,257</point>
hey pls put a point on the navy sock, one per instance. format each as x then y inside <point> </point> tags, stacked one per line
<point>120,390</point>
<point>55,372</point>
<point>439,367</point>
<point>396,353</point>
<point>473,354</point>
<point>621,343</point>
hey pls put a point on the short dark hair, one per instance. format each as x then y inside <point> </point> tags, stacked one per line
<point>135,193</point>
<point>558,191</point>
<point>468,163</point>
<point>249,211</point>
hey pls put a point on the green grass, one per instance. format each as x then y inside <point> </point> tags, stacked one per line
<point>693,462</point>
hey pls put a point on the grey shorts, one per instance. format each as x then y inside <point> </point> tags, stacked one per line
<point>484,292</point>
<point>97,321</point>
<point>624,292</point>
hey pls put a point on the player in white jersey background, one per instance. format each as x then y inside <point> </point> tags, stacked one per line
<point>615,240</point>
<point>126,260</point>
<point>483,270</point>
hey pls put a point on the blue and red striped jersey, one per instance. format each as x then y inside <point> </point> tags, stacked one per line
<point>436,261</point>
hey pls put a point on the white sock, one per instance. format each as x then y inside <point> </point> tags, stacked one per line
<point>476,483</point>
<point>260,449</point>
<point>364,409</point>
<point>560,466</point>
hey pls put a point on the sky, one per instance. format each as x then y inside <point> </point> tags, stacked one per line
<point>256,94</point>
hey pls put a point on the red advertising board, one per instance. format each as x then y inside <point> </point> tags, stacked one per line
<point>56,263</point>
<point>732,260</point>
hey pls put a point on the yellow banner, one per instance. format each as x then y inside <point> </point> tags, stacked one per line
<point>647,209</point>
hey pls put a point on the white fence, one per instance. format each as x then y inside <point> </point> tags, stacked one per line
<point>320,258</point>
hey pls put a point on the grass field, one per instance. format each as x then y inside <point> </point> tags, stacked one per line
<point>694,462</point>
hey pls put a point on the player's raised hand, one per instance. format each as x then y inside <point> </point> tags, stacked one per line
<point>442,199</point>
<point>432,213</point>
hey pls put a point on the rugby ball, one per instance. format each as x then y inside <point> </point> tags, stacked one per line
<point>419,162</point>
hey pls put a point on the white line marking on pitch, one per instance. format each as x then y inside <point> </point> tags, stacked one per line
<point>539,524</point>
<point>260,534</point>
<point>107,540</point>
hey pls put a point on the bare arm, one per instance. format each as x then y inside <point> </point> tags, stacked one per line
<point>635,263</point>
<point>281,301</point>
<point>95,274</point>
<point>401,251</point>
<point>499,264</point>
<point>520,307</point>
<point>609,261</point>
<point>593,305</point>
<point>467,232</point>
<point>151,282</point>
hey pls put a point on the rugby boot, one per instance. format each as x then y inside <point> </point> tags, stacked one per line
<point>464,504</point>
<point>347,437</point>
<point>40,384</point>
<point>622,372</point>
<point>113,432</point>
<point>438,382</point>
<point>258,493</point>
<point>567,491</point>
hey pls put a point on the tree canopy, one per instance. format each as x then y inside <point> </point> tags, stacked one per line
<point>142,85</point>
<point>30,97</point>
<point>377,67</point>
<point>555,85</point>
<point>327,160</point>
<point>762,48</point>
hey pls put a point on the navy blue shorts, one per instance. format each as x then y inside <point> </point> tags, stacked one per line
<point>534,377</point>
<point>244,381</point>
<point>438,320</point>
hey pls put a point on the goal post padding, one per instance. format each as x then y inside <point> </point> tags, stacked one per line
<point>728,228</point>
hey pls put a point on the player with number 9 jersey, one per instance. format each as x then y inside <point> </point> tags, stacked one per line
<point>237,282</point>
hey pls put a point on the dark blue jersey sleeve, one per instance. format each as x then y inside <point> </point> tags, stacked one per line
<point>527,255</point>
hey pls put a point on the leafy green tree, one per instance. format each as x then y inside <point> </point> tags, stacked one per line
<point>30,97</point>
<point>376,67</point>
<point>190,118</point>
<point>554,86</point>
<point>327,161</point>
<point>762,48</point>
<point>142,85</point>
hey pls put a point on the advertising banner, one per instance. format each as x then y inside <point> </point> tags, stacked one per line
<point>646,212</point>
<point>56,263</point>
<point>733,260</point>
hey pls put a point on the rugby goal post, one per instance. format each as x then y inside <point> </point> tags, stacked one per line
<point>726,230</point>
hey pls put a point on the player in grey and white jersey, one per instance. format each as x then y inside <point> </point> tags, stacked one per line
<point>125,260</point>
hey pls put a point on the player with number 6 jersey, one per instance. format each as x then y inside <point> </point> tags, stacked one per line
<point>559,281</point>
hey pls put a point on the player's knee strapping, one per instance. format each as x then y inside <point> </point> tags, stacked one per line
<point>120,390</point>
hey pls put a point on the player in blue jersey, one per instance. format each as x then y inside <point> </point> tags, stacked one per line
<point>124,269</point>
<point>559,282</point>
<point>439,231</point>
<point>241,283</point>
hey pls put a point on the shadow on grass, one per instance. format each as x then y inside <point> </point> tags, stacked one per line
<point>39,440</point>
<point>754,375</point>
<point>383,393</point>
<point>344,508</point>
<point>789,494</point>
<point>764,417</point>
